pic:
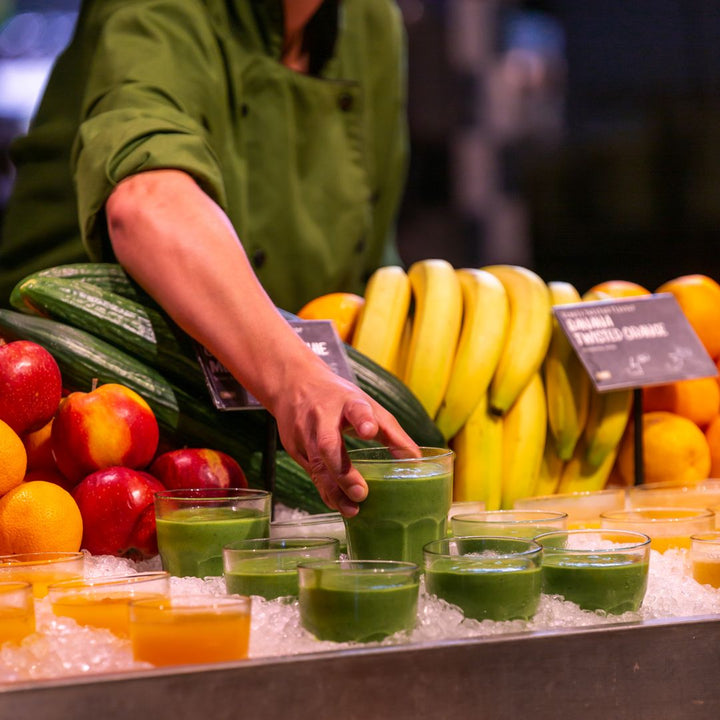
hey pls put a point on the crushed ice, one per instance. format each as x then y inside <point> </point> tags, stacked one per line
<point>61,648</point>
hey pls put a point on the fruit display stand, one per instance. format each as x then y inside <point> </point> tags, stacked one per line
<point>664,670</point>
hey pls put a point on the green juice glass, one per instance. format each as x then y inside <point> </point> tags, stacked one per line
<point>357,600</point>
<point>319,525</point>
<point>596,569</point>
<point>488,578</point>
<point>267,567</point>
<point>194,525</point>
<point>407,504</point>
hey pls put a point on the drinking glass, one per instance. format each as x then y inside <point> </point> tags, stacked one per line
<point>41,569</point>
<point>582,508</point>
<point>17,611</point>
<point>194,525</point>
<point>508,523</point>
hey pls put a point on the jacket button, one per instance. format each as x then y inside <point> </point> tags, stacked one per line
<point>345,101</point>
<point>258,258</point>
<point>360,246</point>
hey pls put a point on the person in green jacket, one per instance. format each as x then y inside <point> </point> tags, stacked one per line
<point>234,156</point>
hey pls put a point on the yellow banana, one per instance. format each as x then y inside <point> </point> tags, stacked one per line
<point>567,383</point>
<point>607,418</point>
<point>524,430</point>
<point>436,327</point>
<point>380,325</point>
<point>528,333</point>
<point>398,367</point>
<point>581,476</point>
<point>484,323</point>
<point>478,458</point>
<point>551,469</point>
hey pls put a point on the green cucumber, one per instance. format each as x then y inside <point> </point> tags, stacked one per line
<point>183,420</point>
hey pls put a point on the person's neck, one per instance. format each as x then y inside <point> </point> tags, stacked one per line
<point>297,15</point>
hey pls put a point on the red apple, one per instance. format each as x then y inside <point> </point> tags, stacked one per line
<point>30,386</point>
<point>118,514</point>
<point>107,427</point>
<point>197,468</point>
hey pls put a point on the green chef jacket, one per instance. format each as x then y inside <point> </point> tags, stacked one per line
<point>308,167</point>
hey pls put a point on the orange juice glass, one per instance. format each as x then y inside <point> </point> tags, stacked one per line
<point>582,508</point>
<point>190,629</point>
<point>705,558</point>
<point>41,569</point>
<point>17,611</point>
<point>705,494</point>
<point>103,601</point>
<point>668,527</point>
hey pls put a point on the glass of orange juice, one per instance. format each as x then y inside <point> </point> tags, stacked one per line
<point>668,527</point>
<point>583,508</point>
<point>190,629</point>
<point>17,611</point>
<point>704,494</point>
<point>705,558</point>
<point>103,601</point>
<point>41,569</point>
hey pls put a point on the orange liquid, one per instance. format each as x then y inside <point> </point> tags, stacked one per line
<point>707,572</point>
<point>39,579</point>
<point>661,544</point>
<point>16,623</point>
<point>108,611</point>
<point>186,639</point>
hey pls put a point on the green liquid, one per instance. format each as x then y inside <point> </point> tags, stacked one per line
<point>400,515</point>
<point>485,588</point>
<point>357,610</point>
<point>613,583</point>
<point>190,540</point>
<point>263,578</point>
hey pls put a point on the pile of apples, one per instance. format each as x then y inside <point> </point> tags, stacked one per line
<point>104,444</point>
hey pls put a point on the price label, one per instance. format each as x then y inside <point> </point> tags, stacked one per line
<point>228,394</point>
<point>634,342</point>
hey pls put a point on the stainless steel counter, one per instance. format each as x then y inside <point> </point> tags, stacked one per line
<point>660,670</point>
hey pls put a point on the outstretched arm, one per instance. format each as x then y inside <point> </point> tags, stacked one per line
<point>180,246</point>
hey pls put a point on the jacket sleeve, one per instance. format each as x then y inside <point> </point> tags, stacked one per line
<point>154,87</point>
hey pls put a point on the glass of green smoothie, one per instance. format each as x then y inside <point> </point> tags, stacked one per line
<point>357,600</point>
<point>267,567</point>
<point>488,578</point>
<point>194,525</point>
<point>319,525</point>
<point>508,523</point>
<point>596,569</point>
<point>407,503</point>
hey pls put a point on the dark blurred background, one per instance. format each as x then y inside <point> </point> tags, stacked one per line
<point>580,138</point>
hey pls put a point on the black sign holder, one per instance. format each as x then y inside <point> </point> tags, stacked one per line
<point>638,439</point>
<point>269,458</point>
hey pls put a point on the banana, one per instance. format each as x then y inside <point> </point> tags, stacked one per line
<point>482,334</point>
<point>567,383</point>
<point>398,367</point>
<point>436,328</point>
<point>528,333</point>
<point>551,469</point>
<point>478,458</point>
<point>581,476</point>
<point>380,325</point>
<point>607,418</point>
<point>524,430</point>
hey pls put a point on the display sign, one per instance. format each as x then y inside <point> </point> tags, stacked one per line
<point>634,342</point>
<point>228,394</point>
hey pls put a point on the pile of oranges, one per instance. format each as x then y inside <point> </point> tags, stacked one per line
<point>681,420</point>
<point>36,515</point>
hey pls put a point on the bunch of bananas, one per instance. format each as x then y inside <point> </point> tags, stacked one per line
<point>481,350</point>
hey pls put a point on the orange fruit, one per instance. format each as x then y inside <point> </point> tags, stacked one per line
<point>39,449</point>
<point>675,451</point>
<point>615,289</point>
<point>341,307</point>
<point>39,516</point>
<point>13,458</point>
<point>699,298</point>
<point>712,435</point>
<point>697,400</point>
